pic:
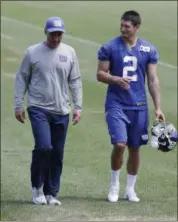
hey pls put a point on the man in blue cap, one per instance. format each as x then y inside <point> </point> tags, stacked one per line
<point>48,69</point>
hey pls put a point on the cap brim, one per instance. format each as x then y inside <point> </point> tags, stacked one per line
<point>55,30</point>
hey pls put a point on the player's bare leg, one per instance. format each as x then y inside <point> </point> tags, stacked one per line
<point>117,156</point>
<point>133,160</point>
<point>116,164</point>
<point>133,163</point>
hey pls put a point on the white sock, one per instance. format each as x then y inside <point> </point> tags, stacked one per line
<point>131,180</point>
<point>115,176</point>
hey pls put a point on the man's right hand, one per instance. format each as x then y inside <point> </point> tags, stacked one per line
<point>124,82</point>
<point>20,115</point>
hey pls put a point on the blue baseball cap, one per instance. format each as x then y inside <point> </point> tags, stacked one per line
<point>54,24</point>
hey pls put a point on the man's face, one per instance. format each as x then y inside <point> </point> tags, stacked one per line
<point>127,29</point>
<point>54,38</point>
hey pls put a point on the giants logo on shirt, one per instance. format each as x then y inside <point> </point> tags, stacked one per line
<point>144,48</point>
<point>62,58</point>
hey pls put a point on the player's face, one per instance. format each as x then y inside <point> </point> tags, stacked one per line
<point>127,29</point>
<point>54,38</point>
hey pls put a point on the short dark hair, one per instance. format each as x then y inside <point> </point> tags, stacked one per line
<point>132,16</point>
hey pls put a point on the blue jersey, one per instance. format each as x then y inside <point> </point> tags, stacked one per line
<point>125,62</point>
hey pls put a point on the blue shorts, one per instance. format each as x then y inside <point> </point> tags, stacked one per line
<point>128,126</point>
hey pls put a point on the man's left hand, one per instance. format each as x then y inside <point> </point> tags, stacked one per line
<point>160,115</point>
<point>76,116</point>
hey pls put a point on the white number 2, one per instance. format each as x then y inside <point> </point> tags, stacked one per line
<point>131,68</point>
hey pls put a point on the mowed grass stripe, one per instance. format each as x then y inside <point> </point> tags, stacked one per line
<point>84,41</point>
<point>164,25</point>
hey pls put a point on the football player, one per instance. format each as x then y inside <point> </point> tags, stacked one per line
<point>124,63</point>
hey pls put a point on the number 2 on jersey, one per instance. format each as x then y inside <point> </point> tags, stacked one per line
<point>131,68</point>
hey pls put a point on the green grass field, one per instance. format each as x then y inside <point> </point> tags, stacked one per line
<point>86,174</point>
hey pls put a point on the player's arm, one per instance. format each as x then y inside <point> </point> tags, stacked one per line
<point>154,89</point>
<point>103,70</point>
<point>20,86</point>
<point>103,74</point>
<point>153,85</point>
<point>76,89</point>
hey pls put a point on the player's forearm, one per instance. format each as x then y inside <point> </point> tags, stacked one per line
<point>20,90</point>
<point>154,89</point>
<point>107,78</point>
<point>21,81</point>
<point>75,86</point>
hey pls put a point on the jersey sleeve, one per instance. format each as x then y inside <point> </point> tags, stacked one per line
<point>75,83</point>
<point>104,53</point>
<point>21,81</point>
<point>153,56</point>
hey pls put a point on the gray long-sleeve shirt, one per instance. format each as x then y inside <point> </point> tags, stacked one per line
<point>47,75</point>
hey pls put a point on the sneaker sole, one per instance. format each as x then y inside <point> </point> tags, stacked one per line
<point>55,204</point>
<point>37,203</point>
<point>113,201</point>
<point>127,198</point>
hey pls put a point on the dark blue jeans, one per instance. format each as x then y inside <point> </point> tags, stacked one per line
<point>49,131</point>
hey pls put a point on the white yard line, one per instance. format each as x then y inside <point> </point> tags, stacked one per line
<point>15,50</point>
<point>10,75</point>
<point>11,59</point>
<point>67,36</point>
<point>4,36</point>
<point>167,65</point>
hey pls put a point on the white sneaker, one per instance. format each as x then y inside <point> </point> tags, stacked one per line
<point>113,195</point>
<point>52,200</point>
<point>38,196</point>
<point>131,196</point>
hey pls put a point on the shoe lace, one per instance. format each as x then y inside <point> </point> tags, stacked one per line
<point>133,194</point>
<point>39,192</point>
<point>114,190</point>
